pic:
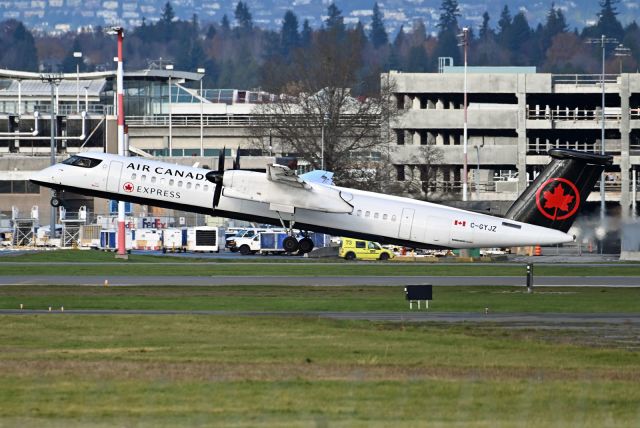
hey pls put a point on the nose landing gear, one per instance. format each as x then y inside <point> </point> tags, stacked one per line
<point>55,200</point>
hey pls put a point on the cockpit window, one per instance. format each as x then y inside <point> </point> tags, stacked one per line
<point>82,162</point>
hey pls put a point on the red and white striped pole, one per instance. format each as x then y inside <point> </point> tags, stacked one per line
<point>121,149</point>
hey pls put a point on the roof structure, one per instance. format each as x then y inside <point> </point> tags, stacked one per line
<point>66,88</point>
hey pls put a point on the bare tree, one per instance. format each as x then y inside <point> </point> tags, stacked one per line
<point>421,173</point>
<point>319,117</point>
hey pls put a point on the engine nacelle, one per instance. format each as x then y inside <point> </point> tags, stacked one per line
<point>254,186</point>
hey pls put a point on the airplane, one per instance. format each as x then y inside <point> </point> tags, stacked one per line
<point>542,215</point>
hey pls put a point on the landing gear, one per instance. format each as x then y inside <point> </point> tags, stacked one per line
<point>305,245</point>
<point>55,202</point>
<point>290,244</point>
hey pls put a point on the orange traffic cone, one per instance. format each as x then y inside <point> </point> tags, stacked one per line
<point>538,251</point>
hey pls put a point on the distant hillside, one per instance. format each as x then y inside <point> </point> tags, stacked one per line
<point>64,15</point>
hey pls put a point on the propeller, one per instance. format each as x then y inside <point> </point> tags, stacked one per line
<point>216,177</point>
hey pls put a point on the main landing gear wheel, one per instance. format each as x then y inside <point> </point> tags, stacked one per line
<point>290,244</point>
<point>306,245</point>
<point>55,202</point>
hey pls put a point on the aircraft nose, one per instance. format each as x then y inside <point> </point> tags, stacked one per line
<point>45,176</point>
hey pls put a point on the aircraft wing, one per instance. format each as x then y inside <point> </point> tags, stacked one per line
<point>285,191</point>
<point>285,175</point>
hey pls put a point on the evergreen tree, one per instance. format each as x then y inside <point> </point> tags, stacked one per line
<point>378,33</point>
<point>211,32</point>
<point>554,25</point>
<point>168,14</point>
<point>243,16</point>
<point>449,13</point>
<point>224,24</point>
<point>335,20</point>
<point>305,35</point>
<point>519,32</point>
<point>448,35</point>
<point>418,61</point>
<point>485,30</point>
<point>70,62</point>
<point>289,36</point>
<point>608,24</point>
<point>504,26</point>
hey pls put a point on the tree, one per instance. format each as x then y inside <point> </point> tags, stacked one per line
<point>243,16</point>
<point>19,52</point>
<point>211,32</point>
<point>519,32</point>
<point>289,36</point>
<point>504,26</point>
<point>555,24</point>
<point>449,13</point>
<point>224,24</point>
<point>378,34</point>
<point>485,30</point>
<point>417,61</point>
<point>334,21</point>
<point>305,34</point>
<point>319,101</point>
<point>447,45</point>
<point>168,15</point>
<point>608,24</point>
<point>70,62</point>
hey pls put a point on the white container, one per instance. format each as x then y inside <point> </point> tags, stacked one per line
<point>173,240</point>
<point>205,239</point>
<point>148,239</point>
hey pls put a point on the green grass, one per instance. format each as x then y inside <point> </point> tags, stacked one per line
<point>292,298</point>
<point>96,263</point>
<point>72,370</point>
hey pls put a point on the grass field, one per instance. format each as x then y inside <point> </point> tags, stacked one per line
<point>290,298</point>
<point>77,370</point>
<point>100,264</point>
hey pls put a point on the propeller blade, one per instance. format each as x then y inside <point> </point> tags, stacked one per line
<point>221,159</point>
<point>236,162</point>
<point>218,192</point>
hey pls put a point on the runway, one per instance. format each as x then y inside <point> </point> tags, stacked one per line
<point>333,281</point>
<point>512,319</point>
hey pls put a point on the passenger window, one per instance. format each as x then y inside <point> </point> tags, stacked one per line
<point>384,216</point>
<point>133,176</point>
<point>188,185</point>
<point>360,244</point>
<point>153,179</point>
<point>180,183</point>
<point>372,246</point>
<point>359,213</point>
<point>162,181</point>
<point>376,216</point>
<point>206,188</point>
<point>197,186</point>
<point>143,178</point>
<point>393,218</point>
<point>171,181</point>
<point>367,214</point>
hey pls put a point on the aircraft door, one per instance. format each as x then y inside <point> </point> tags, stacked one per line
<point>437,231</point>
<point>113,179</point>
<point>406,221</point>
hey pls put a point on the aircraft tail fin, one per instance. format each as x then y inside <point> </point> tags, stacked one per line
<point>555,197</point>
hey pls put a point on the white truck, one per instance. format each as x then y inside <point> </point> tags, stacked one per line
<point>249,242</point>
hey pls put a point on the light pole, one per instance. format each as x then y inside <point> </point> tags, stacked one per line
<point>53,80</point>
<point>119,31</point>
<point>602,41</point>
<point>77,55</point>
<point>465,44</point>
<point>169,67</point>
<point>620,51</point>
<point>201,71</point>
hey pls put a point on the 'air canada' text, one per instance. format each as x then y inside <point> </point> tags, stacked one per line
<point>166,171</point>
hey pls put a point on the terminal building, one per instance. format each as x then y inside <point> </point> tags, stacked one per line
<point>514,116</point>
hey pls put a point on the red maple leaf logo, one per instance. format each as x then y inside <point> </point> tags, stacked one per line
<point>128,187</point>
<point>557,199</point>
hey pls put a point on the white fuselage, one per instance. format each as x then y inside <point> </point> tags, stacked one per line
<point>371,216</point>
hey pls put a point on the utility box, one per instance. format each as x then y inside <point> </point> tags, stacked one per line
<point>205,239</point>
<point>174,240</point>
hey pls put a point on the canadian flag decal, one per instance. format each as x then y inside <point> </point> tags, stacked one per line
<point>459,223</point>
